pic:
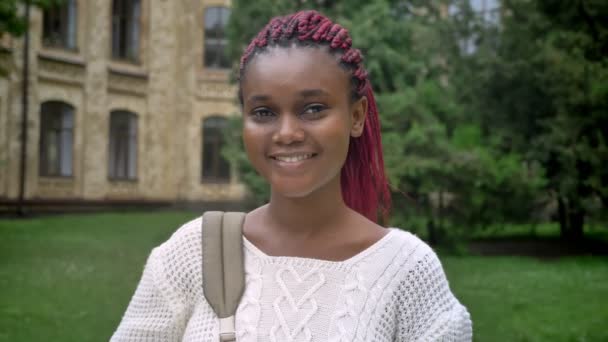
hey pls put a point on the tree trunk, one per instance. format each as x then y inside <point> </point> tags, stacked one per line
<point>571,219</point>
<point>577,222</point>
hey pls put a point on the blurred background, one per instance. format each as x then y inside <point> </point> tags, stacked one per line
<point>495,131</point>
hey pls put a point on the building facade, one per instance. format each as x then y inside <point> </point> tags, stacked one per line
<point>127,100</point>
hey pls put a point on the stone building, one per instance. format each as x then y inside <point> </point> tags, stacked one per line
<point>127,100</point>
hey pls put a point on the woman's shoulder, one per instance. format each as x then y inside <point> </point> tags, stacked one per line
<point>410,245</point>
<point>428,309</point>
<point>181,254</point>
<point>411,255</point>
<point>177,261</point>
<point>394,256</point>
<point>421,273</point>
<point>185,241</point>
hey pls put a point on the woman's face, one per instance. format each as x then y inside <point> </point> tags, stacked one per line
<point>298,118</point>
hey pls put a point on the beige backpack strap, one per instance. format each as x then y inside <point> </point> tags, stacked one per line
<point>223,266</point>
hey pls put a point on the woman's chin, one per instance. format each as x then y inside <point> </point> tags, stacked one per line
<point>291,193</point>
<point>293,190</point>
<point>304,185</point>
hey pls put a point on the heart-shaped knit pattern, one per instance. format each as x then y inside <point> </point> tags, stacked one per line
<point>290,305</point>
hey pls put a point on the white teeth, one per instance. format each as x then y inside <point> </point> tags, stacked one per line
<point>293,159</point>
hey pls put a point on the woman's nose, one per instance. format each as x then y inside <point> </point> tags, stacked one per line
<point>289,130</point>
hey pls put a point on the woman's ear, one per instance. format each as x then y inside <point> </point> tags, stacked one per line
<point>358,115</point>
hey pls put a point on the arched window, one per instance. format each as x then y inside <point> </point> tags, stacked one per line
<point>216,43</point>
<point>59,25</point>
<point>125,29</point>
<point>56,139</point>
<point>123,145</point>
<point>216,168</point>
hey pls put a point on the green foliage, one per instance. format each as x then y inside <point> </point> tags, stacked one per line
<point>542,92</point>
<point>12,20</point>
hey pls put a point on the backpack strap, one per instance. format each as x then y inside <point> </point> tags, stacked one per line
<point>223,266</point>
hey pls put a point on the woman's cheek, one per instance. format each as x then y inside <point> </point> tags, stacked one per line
<point>254,147</point>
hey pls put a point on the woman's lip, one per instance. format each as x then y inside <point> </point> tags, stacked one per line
<point>291,165</point>
<point>291,154</point>
<point>282,157</point>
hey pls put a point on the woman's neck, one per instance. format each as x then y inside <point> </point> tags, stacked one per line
<point>319,226</point>
<point>307,217</point>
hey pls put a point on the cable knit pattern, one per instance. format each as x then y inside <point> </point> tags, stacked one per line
<point>299,310</point>
<point>248,312</point>
<point>395,290</point>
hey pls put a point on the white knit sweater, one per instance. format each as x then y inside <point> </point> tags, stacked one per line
<point>395,290</point>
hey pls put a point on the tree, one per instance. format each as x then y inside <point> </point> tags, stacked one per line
<point>542,93</point>
<point>577,139</point>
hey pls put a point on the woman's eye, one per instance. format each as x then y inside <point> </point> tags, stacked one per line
<point>313,111</point>
<point>262,114</point>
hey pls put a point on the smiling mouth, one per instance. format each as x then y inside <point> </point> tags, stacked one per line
<point>293,158</point>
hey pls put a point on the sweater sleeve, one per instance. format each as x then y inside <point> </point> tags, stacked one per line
<point>151,316</point>
<point>429,311</point>
<point>161,305</point>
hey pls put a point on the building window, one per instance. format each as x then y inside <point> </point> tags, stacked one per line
<point>216,44</point>
<point>216,168</point>
<point>56,139</point>
<point>59,26</point>
<point>125,29</point>
<point>123,145</point>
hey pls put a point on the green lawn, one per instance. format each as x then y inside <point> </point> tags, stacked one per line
<point>522,299</point>
<point>69,278</point>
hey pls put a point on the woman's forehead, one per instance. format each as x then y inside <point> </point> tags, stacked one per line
<point>295,68</point>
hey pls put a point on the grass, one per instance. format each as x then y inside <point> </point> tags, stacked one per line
<point>69,278</point>
<point>524,299</point>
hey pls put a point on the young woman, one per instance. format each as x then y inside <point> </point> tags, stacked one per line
<point>318,265</point>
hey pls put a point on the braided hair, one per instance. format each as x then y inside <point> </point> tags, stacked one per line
<point>363,180</point>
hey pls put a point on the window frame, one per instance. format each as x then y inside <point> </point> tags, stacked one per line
<point>126,18</point>
<point>123,144</point>
<point>212,134</point>
<point>216,45</point>
<point>67,15</point>
<point>61,119</point>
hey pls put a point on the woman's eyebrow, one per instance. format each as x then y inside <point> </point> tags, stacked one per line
<point>304,93</point>
<point>313,93</point>
<point>258,98</point>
